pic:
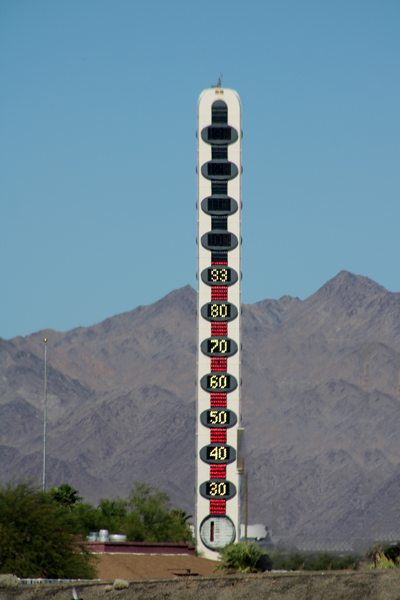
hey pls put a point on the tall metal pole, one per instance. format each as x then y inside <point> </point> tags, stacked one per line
<point>245,510</point>
<point>44,416</point>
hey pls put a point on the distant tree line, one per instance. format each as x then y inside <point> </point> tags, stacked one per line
<point>38,530</point>
<point>245,557</point>
<point>250,557</point>
<point>38,534</point>
<point>144,516</point>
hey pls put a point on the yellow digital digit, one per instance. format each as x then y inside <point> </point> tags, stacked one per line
<point>223,310</point>
<point>214,453</point>
<point>223,275</point>
<point>221,489</point>
<point>213,382</point>
<point>214,274</point>
<point>214,417</point>
<point>222,381</point>
<point>223,346</point>
<point>222,453</point>
<point>222,417</point>
<point>213,489</point>
<point>214,310</point>
<point>216,343</point>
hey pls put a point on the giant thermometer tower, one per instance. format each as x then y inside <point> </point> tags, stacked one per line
<point>219,171</point>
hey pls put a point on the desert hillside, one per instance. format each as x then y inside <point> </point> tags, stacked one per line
<point>320,407</point>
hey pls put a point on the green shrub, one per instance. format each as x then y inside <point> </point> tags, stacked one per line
<point>382,562</point>
<point>287,562</point>
<point>322,561</point>
<point>244,558</point>
<point>319,562</point>
<point>344,562</point>
<point>65,495</point>
<point>150,518</point>
<point>392,553</point>
<point>36,537</point>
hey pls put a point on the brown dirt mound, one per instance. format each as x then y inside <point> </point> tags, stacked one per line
<point>273,586</point>
<point>141,566</point>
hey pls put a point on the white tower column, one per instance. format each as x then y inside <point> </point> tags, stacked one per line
<point>219,171</point>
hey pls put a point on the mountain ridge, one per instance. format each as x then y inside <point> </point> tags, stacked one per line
<point>320,407</point>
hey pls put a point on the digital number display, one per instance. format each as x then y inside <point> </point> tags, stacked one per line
<point>219,311</point>
<point>219,241</point>
<point>219,168</point>
<point>218,454</point>
<point>219,206</point>
<point>218,489</point>
<point>219,134</point>
<point>222,417</point>
<point>219,276</point>
<point>218,346</point>
<point>218,382</point>
<point>222,170</point>
<point>224,240</point>
<point>218,418</point>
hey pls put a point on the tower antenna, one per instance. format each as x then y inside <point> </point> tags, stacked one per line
<point>219,82</point>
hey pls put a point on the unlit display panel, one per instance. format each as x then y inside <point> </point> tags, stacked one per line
<point>219,204</point>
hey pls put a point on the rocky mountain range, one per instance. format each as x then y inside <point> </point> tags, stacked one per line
<point>320,408</point>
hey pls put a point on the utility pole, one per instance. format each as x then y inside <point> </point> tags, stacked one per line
<point>44,416</point>
<point>245,509</point>
<point>398,396</point>
<point>366,377</point>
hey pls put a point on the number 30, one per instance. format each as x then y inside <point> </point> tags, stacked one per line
<point>217,489</point>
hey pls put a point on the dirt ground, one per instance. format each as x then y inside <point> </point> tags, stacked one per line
<point>141,566</point>
<point>339,585</point>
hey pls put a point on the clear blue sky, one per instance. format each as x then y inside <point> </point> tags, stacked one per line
<point>98,149</point>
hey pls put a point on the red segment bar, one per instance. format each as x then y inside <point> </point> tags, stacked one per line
<point>218,435</point>
<point>218,472</point>
<point>218,364</point>
<point>219,292</point>
<point>219,328</point>
<point>217,399</point>
<point>217,507</point>
<point>219,262</point>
